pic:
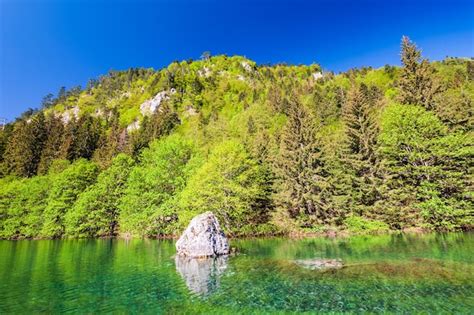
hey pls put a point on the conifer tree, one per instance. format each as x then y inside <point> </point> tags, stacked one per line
<point>54,140</point>
<point>361,132</point>
<point>111,142</point>
<point>67,145</point>
<point>417,84</point>
<point>24,147</point>
<point>86,137</point>
<point>5,134</point>
<point>302,183</point>
<point>154,127</point>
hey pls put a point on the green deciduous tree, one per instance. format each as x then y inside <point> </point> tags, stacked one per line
<point>426,169</point>
<point>229,183</point>
<point>95,213</point>
<point>161,174</point>
<point>21,206</point>
<point>66,187</point>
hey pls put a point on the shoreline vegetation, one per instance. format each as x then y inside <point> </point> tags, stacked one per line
<point>292,235</point>
<point>289,150</point>
<point>330,232</point>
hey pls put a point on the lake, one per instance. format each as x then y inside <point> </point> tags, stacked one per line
<point>393,273</point>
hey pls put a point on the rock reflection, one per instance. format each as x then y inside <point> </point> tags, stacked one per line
<point>201,275</point>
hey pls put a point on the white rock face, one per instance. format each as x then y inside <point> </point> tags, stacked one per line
<point>190,111</point>
<point>246,66</point>
<point>133,126</point>
<point>150,106</point>
<point>203,238</point>
<point>317,75</point>
<point>201,275</point>
<point>66,117</point>
<point>98,113</point>
<point>204,72</point>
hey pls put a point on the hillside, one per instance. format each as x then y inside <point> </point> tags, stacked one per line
<point>269,149</point>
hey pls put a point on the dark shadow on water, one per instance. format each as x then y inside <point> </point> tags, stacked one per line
<point>201,275</point>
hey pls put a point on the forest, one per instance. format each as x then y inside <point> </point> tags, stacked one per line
<point>270,149</point>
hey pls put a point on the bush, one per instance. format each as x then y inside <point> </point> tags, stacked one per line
<point>357,224</point>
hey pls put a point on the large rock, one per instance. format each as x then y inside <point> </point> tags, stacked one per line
<point>203,238</point>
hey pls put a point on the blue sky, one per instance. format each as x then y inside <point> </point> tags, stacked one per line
<point>46,44</point>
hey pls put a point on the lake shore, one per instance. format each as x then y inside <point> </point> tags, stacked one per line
<point>330,233</point>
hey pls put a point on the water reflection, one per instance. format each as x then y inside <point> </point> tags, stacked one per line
<point>201,275</point>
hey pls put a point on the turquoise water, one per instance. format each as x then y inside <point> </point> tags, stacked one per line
<point>431,273</point>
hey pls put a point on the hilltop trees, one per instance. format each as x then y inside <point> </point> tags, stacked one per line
<point>23,151</point>
<point>51,149</point>
<point>158,125</point>
<point>5,134</point>
<point>111,142</point>
<point>268,148</point>
<point>417,84</point>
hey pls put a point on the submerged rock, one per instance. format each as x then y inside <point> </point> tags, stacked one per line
<point>201,275</point>
<point>203,238</point>
<point>319,264</point>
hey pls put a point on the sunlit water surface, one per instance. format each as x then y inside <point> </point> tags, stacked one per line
<point>394,273</point>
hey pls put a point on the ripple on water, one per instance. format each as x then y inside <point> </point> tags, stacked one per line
<point>412,274</point>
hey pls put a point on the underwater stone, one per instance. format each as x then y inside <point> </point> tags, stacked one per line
<point>319,264</point>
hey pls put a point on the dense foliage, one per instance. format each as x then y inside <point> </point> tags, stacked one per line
<point>268,149</point>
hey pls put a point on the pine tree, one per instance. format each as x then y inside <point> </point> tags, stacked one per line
<point>470,70</point>
<point>23,151</point>
<point>5,134</point>
<point>81,138</point>
<point>110,143</point>
<point>67,145</point>
<point>161,123</point>
<point>86,137</point>
<point>361,127</point>
<point>362,132</point>
<point>51,149</point>
<point>302,183</point>
<point>417,84</point>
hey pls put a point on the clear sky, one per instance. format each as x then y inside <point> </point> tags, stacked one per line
<point>46,44</point>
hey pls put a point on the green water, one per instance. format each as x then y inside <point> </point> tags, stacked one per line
<point>394,273</point>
